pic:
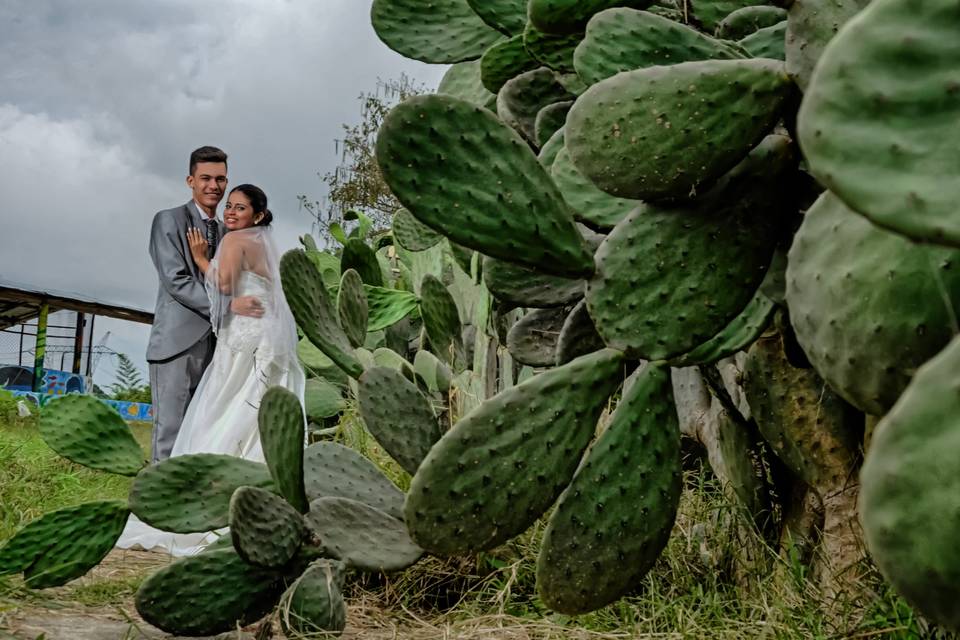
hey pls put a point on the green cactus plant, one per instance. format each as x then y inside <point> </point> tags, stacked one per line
<point>398,416</point>
<point>265,529</point>
<point>625,495</point>
<point>66,424</point>
<point>352,309</point>
<point>314,603</point>
<point>745,20</point>
<point>450,32</point>
<point>282,436</point>
<point>626,39</point>
<point>899,171</point>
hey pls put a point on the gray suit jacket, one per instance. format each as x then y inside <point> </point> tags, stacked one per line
<point>182,316</point>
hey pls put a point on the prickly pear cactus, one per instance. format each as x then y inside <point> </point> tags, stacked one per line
<point>625,495</point>
<point>910,477</point>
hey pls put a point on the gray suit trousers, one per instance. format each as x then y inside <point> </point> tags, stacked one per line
<point>173,382</point>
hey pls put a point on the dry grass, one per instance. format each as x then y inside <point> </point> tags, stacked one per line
<point>700,588</point>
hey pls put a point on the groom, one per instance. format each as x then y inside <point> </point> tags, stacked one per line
<point>181,339</point>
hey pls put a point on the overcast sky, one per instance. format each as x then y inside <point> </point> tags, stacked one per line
<point>101,102</point>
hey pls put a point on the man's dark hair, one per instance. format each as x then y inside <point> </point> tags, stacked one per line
<point>206,154</point>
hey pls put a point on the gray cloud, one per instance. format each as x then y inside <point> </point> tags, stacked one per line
<point>103,100</point>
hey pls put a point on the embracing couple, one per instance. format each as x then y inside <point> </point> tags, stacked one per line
<point>222,332</point>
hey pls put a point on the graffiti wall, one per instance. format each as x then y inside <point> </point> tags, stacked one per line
<point>130,411</point>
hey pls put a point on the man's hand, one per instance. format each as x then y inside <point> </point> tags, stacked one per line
<point>247,306</point>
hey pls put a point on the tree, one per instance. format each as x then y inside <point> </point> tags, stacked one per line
<point>356,184</point>
<point>129,386</point>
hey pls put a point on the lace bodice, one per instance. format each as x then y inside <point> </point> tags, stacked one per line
<point>245,333</point>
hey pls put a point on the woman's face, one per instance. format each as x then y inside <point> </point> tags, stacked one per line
<point>238,214</point>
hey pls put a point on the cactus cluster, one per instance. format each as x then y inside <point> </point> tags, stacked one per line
<point>770,193</point>
<point>298,524</point>
<point>721,219</point>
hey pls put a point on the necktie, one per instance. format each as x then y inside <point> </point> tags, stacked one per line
<point>212,233</point>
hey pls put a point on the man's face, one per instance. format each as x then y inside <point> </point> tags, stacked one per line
<point>208,183</point>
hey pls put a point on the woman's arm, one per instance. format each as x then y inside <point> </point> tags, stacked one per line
<point>198,248</point>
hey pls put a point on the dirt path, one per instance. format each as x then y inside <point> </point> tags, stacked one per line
<point>100,606</point>
<point>60,614</point>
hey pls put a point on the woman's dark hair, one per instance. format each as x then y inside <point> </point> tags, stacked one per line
<point>258,200</point>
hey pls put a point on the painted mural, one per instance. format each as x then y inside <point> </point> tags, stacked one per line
<point>55,383</point>
<point>129,411</point>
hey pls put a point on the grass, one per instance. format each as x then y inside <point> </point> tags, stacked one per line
<point>700,587</point>
<point>34,480</point>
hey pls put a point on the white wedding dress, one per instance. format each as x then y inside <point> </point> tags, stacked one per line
<point>252,355</point>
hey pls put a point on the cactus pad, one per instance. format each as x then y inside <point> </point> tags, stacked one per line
<point>669,279</point>
<point>352,308</point>
<point>812,24</point>
<point>736,336</point>
<point>433,371</point>
<point>398,416</point>
<point>207,594</point>
<point>508,16</point>
<point>746,20</point>
<point>503,61</point>
<point>578,336</point>
<point>867,326</point>
<point>524,287</point>
<point>532,340</point>
<point>590,205</point>
<point>615,518</point>
<point>645,134</point>
<point>333,470</point>
<point>317,364</point>
<point>810,427</point>
<point>626,39</point>
<point>384,357</point>
<point>362,536</point>
<point>191,494</point>
<point>550,149</point>
<point>553,51</point>
<point>463,80</point>
<point>899,170</point>
<point>322,399</point>
<point>570,16</point>
<point>550,119</point>
<point>428,151</point>
<point>65,544</point>
<point>521,99</point>
<point>282,437</point>
<point>310,303</point>
<point>411,234</point>
<point>357,255</point>
<point>504,463</point>
<point>910,486</point>
<point>769,42</point>
<point>709,13</point>
<point>441,320</point>
<point>449,32</point>
<point>265,529</point>
<point>86,431</point>
<point>313,605</point>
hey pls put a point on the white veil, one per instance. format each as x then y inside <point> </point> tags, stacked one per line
<point>247,263</point>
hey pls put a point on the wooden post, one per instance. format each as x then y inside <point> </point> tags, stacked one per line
<point>78,343</point>
<point>41,348</point>
<point>89,372</point>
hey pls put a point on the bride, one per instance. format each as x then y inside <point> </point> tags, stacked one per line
<point>252,354</point>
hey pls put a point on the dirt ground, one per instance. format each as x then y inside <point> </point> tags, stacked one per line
<point>55,614</point>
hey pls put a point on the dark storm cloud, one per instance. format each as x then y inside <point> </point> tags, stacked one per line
<point>102,100</point>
